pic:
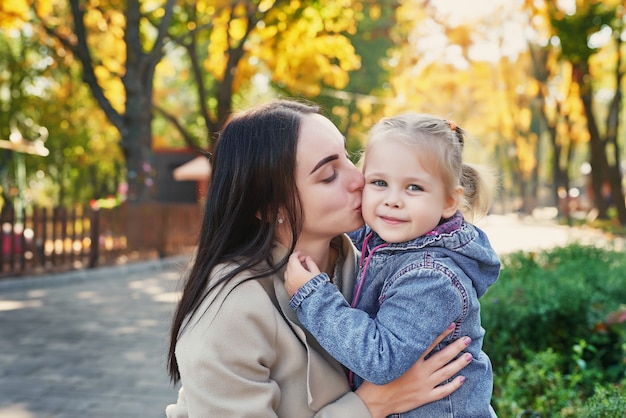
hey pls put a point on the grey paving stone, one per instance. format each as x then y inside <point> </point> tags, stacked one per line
<point>89,345</point>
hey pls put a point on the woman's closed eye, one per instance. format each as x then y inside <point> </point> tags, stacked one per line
<point>330,178</point>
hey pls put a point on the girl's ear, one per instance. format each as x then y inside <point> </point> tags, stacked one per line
<point>452,203</point>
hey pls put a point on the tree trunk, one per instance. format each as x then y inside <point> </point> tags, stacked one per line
<point>612,128</point>
<point>597,157</point>
<point>136,140</point>
<point>603,174</point>
<point>134,124</point>
<point>137,145</point>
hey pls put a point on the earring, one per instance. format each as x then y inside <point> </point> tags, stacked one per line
<point>280,220</point>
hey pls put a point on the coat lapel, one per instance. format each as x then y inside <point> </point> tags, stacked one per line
<point>324,373</point>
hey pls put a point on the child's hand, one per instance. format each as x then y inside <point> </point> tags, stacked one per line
<point>300,269</point>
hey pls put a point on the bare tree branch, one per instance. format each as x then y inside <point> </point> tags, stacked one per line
<point>189,140</point>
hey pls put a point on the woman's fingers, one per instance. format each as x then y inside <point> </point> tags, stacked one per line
<point>444,390</point>
<point>440,338</point>
<point>451,351</point>
<point>450,368</point>
<point>421,384</point>
<point>444,364</point>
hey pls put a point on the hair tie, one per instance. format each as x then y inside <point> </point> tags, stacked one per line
<point>457,133</point>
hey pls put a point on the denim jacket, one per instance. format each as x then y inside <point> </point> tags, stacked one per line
<point>406,294</point>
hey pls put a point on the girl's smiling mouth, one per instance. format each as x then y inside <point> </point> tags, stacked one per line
<point>391,220</point>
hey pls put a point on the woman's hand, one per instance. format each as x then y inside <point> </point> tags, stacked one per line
<point>300,269</point>
<point>420,384</point>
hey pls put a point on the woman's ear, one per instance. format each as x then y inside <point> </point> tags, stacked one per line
<point>282,230</point>
<point>452,203</point>
<point>279,217</point>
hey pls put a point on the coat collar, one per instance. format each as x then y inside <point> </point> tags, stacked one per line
<point>324,373</point>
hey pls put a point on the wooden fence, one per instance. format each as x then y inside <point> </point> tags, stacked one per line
<point>47,240</point>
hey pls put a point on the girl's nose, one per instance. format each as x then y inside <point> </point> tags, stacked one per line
<point>392,200</point>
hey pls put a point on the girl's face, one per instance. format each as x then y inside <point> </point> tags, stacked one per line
<point>329,184</point>
<point>403,197</point>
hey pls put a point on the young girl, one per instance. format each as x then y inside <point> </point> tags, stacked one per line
<point>422,265</point>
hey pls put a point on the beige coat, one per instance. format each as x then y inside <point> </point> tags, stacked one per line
<point>246,355</point>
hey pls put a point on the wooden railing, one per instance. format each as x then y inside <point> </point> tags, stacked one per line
<point>45,240</point>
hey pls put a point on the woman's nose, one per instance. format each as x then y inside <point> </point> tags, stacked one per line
<point>357,181</point>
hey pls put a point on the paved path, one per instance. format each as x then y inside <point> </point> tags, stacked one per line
<point>87,344</point>
<point>93,343</point>
<point>512,232</point>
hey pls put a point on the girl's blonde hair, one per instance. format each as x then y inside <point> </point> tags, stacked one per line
<point>441,143</point>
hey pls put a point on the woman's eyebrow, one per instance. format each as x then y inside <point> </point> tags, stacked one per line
<point>324,161</point>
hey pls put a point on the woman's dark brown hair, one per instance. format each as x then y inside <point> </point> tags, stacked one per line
<point>253,177</point>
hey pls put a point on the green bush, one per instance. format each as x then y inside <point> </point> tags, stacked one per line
<point>536,387</point>
<point>533,387</point>
<point>605,403</point>
<point>556,331</point>
<point>554,299</point>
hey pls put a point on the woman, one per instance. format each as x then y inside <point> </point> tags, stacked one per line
<point>281,182</point>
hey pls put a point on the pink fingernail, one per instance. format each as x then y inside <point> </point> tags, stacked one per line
<point>468,357</point>
<point>462,379</point>
<point>467,340</point>
<point>452,326</point>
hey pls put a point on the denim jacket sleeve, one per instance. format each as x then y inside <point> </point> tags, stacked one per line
<point>307,289</point>
<point>417,306</point>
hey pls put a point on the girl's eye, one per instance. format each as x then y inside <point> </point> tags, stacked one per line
<point>379,183</point>
<point>414,188</point>
<point>331,178</point>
